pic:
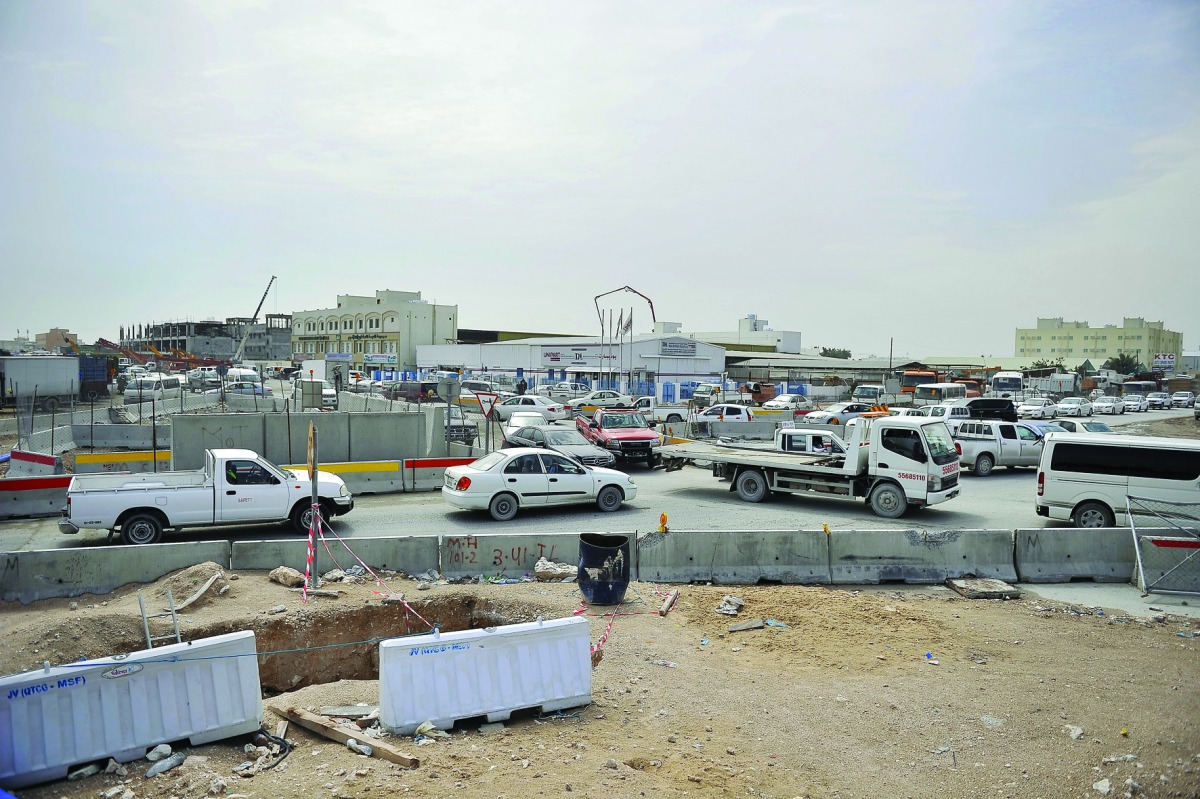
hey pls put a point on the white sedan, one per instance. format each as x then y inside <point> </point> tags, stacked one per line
<point>601,399</point>
<point>506,481</point>
<point>1037,408</point>
<point>532,403</point>
<point>1108,405</point>
<point>1074,406</point>
<point>1136,402</point>
<point>725,412</point>
<point>794,402</point>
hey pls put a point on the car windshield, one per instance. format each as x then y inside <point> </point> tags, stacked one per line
<point>564,437</point>
<point>941,446</point>
<point>1096,427</point>
<point>1071,401</point>
<point>838,408</point>
<point>611,420</point>
<point>1053,428</point>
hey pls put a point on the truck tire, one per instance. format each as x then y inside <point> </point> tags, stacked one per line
<point>674,418</point>
<point>302,516</point>
<point>888,501</point>
<point>609,499</point>
<point>983,465</point>
<point>1092,514</point>
<point>503,507</point>
<point>752,485</point>
<point>50,404</point>
<point>141,528</point>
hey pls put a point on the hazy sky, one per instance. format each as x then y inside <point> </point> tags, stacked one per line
<point>938,172</point>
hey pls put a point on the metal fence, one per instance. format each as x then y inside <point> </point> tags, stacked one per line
<point>1166,564</point>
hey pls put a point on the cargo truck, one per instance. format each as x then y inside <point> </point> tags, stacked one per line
<point>53,380</point>
<point>892,462</point>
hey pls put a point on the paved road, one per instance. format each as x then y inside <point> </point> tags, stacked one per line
<point>692,499</point>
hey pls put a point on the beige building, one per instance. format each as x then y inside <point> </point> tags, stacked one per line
<point>380,332</point>
<point>1053,339</point>
<point>55,338</point>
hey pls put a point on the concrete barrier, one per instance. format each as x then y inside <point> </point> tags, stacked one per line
<point>42,574</point>
<point>428,474</point>
<point>1060,555</point>
<point>28,497</point>
<point>92,462</point>
<point>734,558</point>
<point>129,436</point>
<point>919,556</point>
<point>371,477</point>
<point>409,554</point>
<point>506,555</point>
<point>32,464</point>
<point>1170,564</point>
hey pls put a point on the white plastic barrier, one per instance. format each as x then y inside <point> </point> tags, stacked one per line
<point>118,707</point>
<point>444,677</point>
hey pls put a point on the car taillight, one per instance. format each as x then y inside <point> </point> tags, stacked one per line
<point>1041,483</point>
<point>463,484</point>
<point>958,448</point>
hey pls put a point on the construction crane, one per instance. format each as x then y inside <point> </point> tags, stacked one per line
<point>237,358</point>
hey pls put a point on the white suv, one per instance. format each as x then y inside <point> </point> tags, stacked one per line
<point>1183,399</point>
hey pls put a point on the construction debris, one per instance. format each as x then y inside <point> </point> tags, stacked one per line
<point>286,575</point>
<point>548,571</point>
<point>668,603</point>
<point>983,588</point>
<point>327,729</point>
<point>731,605</point>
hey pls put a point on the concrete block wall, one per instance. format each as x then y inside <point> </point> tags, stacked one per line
<point>409,554</point>
<point>506,555</point>
<point>1063,554</point>
<point>860,557</point>
<point>33,497</point>
<point>130,436</point>
<point>734,557</point>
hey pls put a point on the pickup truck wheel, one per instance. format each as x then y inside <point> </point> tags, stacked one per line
<point>752,486</point>
<point>503,507</point>
<point>674,418</point>
<point>888,501</point>
<point>609,499</point>
<point>141,528</point>
<point>1092,514</point>
<point>302,516</point>
<point>983,466</point>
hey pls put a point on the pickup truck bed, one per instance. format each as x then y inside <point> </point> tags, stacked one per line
<point>112,482</point>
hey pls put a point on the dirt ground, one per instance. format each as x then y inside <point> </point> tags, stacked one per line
<point>901,691</point>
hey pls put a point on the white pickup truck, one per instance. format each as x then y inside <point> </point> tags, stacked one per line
<point>236,486</point>
<point>984,444</point>
<point>654,412</point>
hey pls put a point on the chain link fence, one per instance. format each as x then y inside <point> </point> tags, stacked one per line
<point>1168,556</point>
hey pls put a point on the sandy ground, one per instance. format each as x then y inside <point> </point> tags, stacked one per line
<point>894,692</point>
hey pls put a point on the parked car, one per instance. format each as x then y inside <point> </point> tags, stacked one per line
<point>568,390</point>
<point>1074,406</point>
<point>1108,405</point>
<point>1135,402</point>
<point>1083,426</point>
<point>564,440</point>
<point>793,402</point>
<point>532,403</point>
<point>459,428</point>
<point>603,398</point>
<point>243,387</point>
<point>1159,400</point>
<point>518,419</point>
<point>1044,427</point>
<point>508,480</point>
<point>838,413</point>
<point>922,411</point>
<point>1183,399</point>
<point>1096,392</point>
<point>1037,408</point>
<point>328,393</point>
<point>725,412</point>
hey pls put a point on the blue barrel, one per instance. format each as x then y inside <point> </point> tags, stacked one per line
<point>603,568</point>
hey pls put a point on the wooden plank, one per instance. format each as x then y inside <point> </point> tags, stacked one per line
<point>281,728</point>
<point>326,729</point>
<point>199,593</point>
<point>349,711</point>
<point>983,588</point>
<point>668,603</point>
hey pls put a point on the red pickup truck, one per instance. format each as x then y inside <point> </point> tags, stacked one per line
<point>625,433</point>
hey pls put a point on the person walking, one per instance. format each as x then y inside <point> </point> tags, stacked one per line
<point>522,386</point>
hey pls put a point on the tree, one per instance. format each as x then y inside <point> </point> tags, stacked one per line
<point>1045,363</point>
<point>835,352</point>
<point>1123,364</point>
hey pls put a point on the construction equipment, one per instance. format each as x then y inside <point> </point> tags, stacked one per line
<point>237,358</point>
<point>130,354</point>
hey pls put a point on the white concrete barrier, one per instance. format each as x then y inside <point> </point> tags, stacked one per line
<point>734,558</point>
<point>30,497</point>
<point>1060,555</point>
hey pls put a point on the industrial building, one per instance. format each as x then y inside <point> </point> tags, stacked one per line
<point>1053,339</point>
<point>379,332</point>
<point>268,341</point>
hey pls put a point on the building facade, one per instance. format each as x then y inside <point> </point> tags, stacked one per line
<point>753,334</point>
<point>57,338</point>
<point>379,332</point>
<point>1053,339</point>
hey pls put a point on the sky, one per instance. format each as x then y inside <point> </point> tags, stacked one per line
<point>937,173</point>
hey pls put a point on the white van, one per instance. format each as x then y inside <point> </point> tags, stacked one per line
<point>1085,478</point>
<point>241,374</point>
<point>153,386</point>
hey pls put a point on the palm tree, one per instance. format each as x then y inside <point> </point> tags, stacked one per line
<point>1124,364</point>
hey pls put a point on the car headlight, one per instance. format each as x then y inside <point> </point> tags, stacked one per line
<point>345,492</point>
<point>655,444</point>
<point>613,445</point>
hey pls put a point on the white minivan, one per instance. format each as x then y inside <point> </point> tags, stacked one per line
<point>153,386</point>
<point>1085,478</point>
